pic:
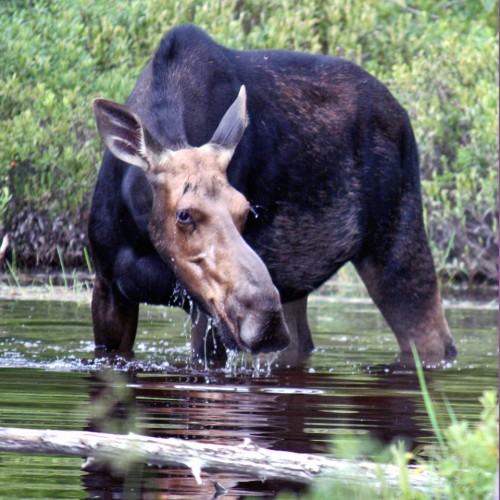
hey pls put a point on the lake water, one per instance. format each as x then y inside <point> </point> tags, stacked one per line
<point>50,379</point>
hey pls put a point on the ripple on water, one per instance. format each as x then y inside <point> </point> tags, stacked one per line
<point>51,379</point>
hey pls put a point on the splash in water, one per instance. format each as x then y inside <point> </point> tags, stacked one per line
<point>262,363</point>
<point>258,365</point>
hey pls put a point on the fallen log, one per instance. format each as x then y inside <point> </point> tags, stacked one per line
<point>246,458</point>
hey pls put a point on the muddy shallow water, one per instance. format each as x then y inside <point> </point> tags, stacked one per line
<point>49,378</point>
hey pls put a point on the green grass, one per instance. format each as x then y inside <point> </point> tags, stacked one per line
<point>13,272</point>
<point>465,462</point>
<point>429,407</point>
<point>63,270</point>
<point>437,57</point>
<point>88,261</point>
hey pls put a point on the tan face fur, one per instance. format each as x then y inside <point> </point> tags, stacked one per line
<point>196,220</point>
<point>196,224</point>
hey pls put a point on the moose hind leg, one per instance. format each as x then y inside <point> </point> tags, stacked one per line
<point>114,319</point>
<point>400,277</point>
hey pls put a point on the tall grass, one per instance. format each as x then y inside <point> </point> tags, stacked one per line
<point>429,407</point>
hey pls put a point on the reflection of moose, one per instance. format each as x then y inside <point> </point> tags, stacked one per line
<point>226,410</point>
<point>321,151</point>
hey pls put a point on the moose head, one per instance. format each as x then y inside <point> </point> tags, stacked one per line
<point>196,223</point>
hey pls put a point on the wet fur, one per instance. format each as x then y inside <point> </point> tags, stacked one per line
<point>328,159</point>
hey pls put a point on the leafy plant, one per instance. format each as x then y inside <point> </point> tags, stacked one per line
<point>466,462</point>
<point>5,197</point>
<point>435,56</point>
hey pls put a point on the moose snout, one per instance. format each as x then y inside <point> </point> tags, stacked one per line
<point>260,322</point>
<point>264,332</point>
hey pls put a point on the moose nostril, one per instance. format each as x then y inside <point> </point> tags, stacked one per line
<point>264,332</point>
<point>272,343</point>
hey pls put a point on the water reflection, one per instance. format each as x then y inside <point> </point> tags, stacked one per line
<point>290,410</point>
<point>49,375</point>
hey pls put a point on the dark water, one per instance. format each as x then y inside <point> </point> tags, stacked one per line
<point>50,379</point>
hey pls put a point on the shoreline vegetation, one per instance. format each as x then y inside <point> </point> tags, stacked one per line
<point>345,287</point>
<point>437,57</point>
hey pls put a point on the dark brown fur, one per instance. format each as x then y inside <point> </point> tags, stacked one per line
<point>326,158</point>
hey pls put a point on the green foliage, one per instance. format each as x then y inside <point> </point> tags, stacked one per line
<point>429,407</point>
<point>5,197</point>
<point>437,57</point>
<point>114,410</point>
<point>467,464</point>
<point>464,466</point>
<point>472,460</point>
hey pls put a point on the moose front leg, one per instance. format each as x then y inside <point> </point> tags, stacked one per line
<point>114,319</point>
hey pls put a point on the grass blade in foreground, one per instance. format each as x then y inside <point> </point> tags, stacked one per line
<point>429,406</point>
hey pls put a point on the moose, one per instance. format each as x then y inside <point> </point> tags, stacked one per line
<point>242,181</point>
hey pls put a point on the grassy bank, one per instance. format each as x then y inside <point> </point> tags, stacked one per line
<point>437,57</point>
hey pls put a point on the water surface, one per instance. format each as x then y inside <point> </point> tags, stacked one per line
<point>50,379</point>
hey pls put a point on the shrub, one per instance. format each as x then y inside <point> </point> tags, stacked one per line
<point>435,56</point>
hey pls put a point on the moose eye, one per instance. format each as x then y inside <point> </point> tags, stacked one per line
<point>183,217</point>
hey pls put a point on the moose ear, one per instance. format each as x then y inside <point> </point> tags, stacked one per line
<point>233,124</point>
<point>123,133</point>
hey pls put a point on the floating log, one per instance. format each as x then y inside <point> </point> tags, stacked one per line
<point>246,458</point>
